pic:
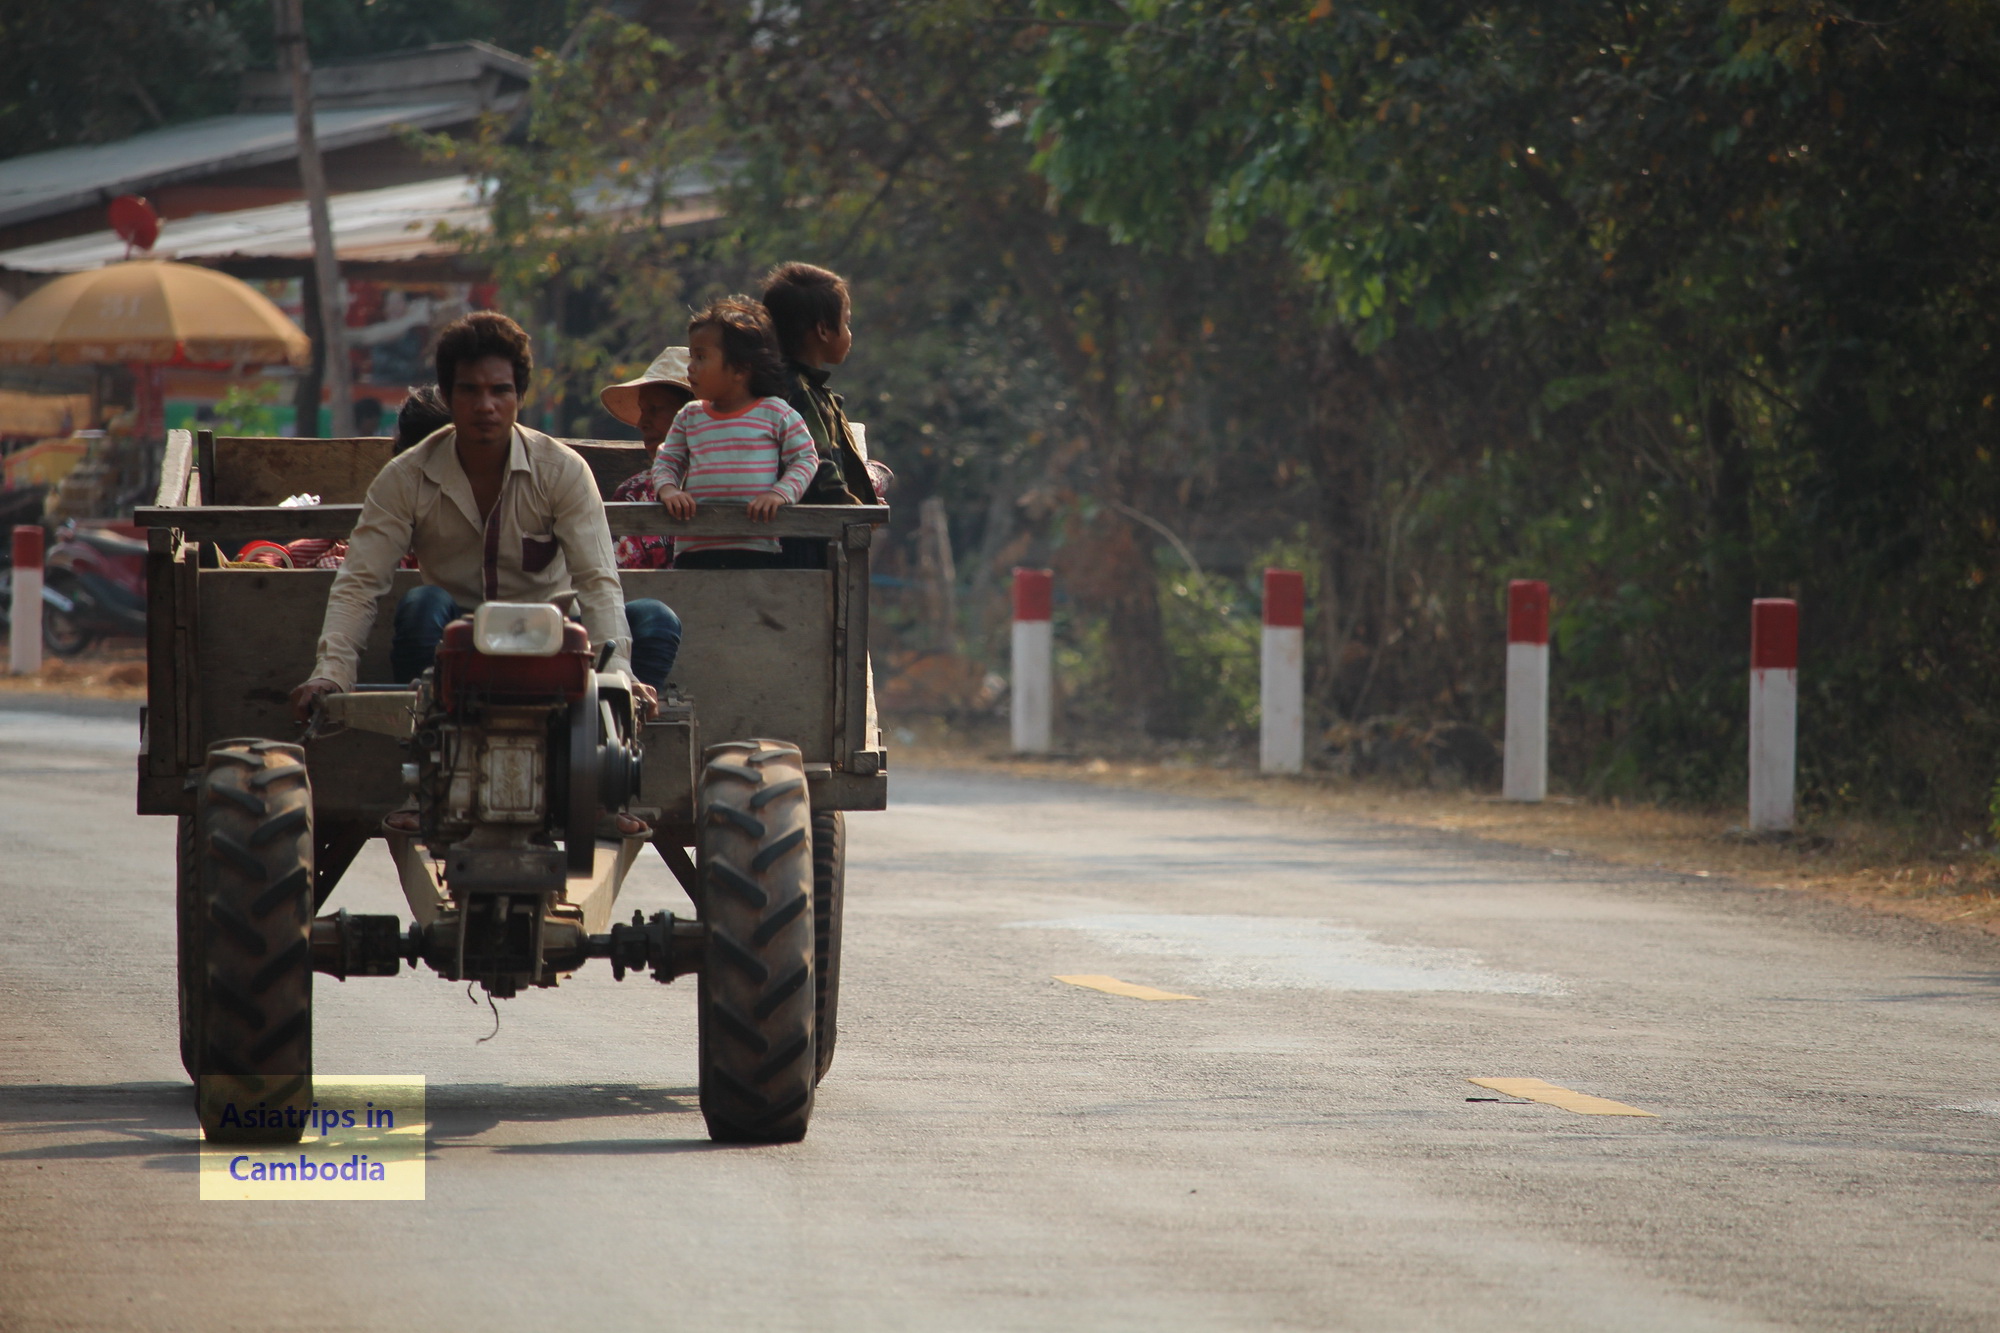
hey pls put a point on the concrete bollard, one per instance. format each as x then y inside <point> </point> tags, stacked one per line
<point>1525,771</point>
<point>24,655</point>
<point>1282,691</point>
<point>1774,711</point>
<point>1033,704</point>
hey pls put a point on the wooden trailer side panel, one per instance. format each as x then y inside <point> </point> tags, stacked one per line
<point>612,461</point>
<point>258,634</point>
<point>168,732</point>
<point>254,470</point>
<point>262,470</point>
<point>756,650</point>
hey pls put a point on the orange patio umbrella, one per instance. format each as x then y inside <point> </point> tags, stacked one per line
<point>150,313</point>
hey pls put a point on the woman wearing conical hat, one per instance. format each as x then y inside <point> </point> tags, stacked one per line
<point>648,403</point>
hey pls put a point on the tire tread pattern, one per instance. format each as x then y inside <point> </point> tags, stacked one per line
<point>190,925</point>
<point>829,829</point>
<point>757,992</point>
<point>248,852</point>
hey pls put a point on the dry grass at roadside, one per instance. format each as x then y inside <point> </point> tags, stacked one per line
<point>1887,867</point>
<point>117,671</point>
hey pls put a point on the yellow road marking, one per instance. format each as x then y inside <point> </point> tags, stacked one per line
<point>1113,986</point>
<point>1534,1090</point>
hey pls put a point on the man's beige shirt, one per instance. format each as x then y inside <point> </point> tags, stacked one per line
<point>546,541</point>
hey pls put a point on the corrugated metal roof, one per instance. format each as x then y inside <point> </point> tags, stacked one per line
<point>447,72</point>
<point>399,222</point>
<point>378,226</point>
<point>41,184</point>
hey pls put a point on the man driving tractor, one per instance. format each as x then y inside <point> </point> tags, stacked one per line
<point>494,511</point>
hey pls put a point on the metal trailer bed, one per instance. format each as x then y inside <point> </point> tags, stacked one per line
<point>773,653</point>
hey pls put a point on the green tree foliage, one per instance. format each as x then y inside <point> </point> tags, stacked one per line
<point>1042,378</point>
<point>589,214</point>
<point>96,70</point>
<point>1673,304</point>
<point>89,71</point>
<point>248,409</point>
<point>1704,294</point>
<point>345,29</point>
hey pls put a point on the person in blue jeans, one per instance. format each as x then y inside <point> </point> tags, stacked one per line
<point>494,512</point>
<point>423,613</point>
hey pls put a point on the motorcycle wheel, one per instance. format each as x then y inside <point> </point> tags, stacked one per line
<point>62,635</point>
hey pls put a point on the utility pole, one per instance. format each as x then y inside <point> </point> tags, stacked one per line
<point>938,574</point>
<point>291,34</point>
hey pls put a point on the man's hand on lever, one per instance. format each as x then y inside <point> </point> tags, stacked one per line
<point>304,695</point>
<point>647,698</point>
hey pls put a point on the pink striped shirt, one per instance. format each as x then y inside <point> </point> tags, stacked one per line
<point>738,456</point>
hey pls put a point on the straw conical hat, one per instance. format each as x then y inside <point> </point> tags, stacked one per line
<point>669,367</point>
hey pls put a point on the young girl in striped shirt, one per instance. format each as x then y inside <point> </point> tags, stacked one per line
<point>739,439</point>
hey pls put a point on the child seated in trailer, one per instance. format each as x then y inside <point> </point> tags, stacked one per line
<point>739,439</point>
<point>810,308</point>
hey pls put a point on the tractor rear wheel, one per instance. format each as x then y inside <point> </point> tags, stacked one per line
<point>829,828</point>
<point>189,915</point>
<point>754,835</point>
<point>252,1026</point>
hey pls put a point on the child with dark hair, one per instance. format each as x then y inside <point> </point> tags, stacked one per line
<point>422,413</point>
<point>738,440</point>
<point>809,309</point>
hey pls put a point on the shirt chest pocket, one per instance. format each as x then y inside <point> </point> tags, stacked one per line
<point>537,552</point>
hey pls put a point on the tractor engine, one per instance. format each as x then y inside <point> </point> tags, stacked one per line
<point>519,743</point>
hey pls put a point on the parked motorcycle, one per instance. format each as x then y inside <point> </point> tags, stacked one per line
<point>93,587</point>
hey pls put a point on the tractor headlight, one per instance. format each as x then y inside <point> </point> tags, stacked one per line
<point>517,629</point>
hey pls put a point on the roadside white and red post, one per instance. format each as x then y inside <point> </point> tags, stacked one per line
<point>1282,692</point>
<point>1033,702</point>
<point>1774,711</point>
<point>1525,767</point>
<point>24,653</point>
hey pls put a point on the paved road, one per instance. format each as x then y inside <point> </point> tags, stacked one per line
<point>996,1149</point>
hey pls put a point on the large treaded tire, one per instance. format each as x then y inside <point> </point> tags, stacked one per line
<point>829,830</point>
<point>757,995</point>
<point>254,852</point>
<point>189,912</point>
